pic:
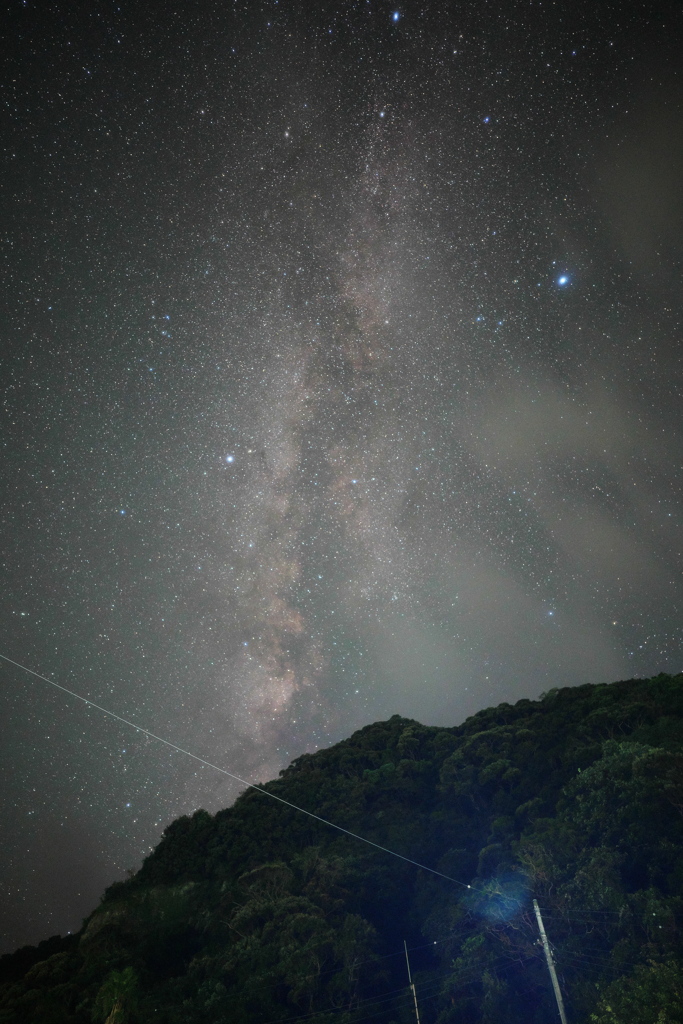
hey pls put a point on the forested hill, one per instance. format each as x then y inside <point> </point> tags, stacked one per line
<point>260,914</point>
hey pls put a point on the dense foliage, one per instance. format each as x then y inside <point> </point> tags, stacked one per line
<point>261,914</point>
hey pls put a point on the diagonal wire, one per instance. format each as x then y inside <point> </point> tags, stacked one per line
<point>224,771</point>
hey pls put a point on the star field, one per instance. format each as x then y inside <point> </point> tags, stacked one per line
<point>340,378</point>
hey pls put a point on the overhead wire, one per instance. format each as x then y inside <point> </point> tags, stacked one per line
<point>570,960</point>
<point>433,974</point>
<point>390,956</point>
<point>400,952</point>
<point>571,915</point>
<point>237,778</point>
<point>593,960</point>
<point>435,979</point>
<point>408,999</point>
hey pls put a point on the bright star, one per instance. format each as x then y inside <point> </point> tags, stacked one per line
<point>563,280</point>
<point>229,458</point>
<point>395,16</point>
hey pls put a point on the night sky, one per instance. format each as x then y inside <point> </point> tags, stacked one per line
<point>341,378</point>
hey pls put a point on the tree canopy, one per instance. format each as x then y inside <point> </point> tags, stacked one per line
<point>261,915</point>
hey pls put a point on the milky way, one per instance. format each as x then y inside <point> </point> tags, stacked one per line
<point>341,379</point>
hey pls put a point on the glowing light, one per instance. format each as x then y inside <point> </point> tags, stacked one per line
<point>562,281</point>
<point>229,458</point>
<point>395,16</point>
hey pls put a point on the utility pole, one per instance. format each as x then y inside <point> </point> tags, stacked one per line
<point>417,1015</point>
<point>551,965</point>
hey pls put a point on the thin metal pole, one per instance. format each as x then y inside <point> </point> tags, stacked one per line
<point>410,980</point>
<point>551,965</point>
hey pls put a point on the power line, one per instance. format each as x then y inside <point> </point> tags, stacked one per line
<point>224,771</point>
<point>435,975</point>
<point>570,959</point>
<point>389,956</point>
<point>424,999</point>
<point>579,959</point>
<point>571,915</point>
<point>436,980</point>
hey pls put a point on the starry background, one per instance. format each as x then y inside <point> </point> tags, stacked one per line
<point>341,378</point>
